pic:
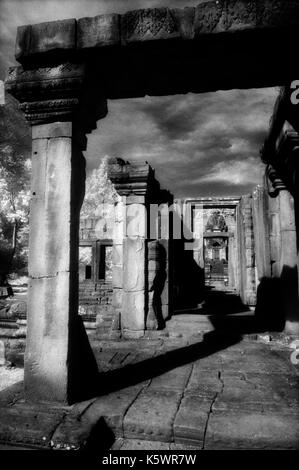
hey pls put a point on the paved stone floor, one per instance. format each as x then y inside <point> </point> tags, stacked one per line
<point>198,392</point>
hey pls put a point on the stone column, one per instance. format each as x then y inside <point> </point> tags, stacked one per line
<point>261,233</point>
<point>132,182</point>
<point>134,300</point>
<point>231,261</point>
<point>117,268</point>
<point>62,104</point>
<point>57,189</point>
<point>288,261</point>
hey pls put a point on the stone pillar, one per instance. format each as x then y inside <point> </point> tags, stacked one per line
<point>261,233</point>
<point>117,268</point>
<point>62,103</point>
<point>288,261</point>
<point>132,182</point>
<point>57,189</point>
<point>231,261</point>
<point>134,297</point>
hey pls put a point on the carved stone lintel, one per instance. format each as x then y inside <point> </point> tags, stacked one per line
<point>66,92</point>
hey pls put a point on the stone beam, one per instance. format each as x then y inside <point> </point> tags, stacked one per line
<point>154,24</point>
<point>219,44</point>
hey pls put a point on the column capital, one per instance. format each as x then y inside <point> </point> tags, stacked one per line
<point>274,182</point>
<point>131,179</point>
<point>65,92</point>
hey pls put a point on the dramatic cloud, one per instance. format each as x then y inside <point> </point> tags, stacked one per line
<point>199,144</point>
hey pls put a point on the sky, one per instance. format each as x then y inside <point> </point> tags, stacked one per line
<point>200,145</point>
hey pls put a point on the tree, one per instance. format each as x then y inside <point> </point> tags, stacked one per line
<point>99,190</point>
<point>15,149</point>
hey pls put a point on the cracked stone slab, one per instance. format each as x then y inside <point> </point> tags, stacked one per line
<point>258,392</point>
<point>190,421</point>
<point>175,379</point>
<point>152,415</point>
<point>203,383</point>
<point>259,360</point>
<point>235,429</point>
<point>105,413</point>
<point>32,425</point>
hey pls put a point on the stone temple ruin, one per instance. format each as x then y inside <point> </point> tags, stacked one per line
<point>68,69</point>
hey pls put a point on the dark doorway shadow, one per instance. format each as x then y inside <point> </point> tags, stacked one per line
<point>221,303</point>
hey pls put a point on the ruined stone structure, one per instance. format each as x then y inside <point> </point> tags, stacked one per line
<point>68,70</point>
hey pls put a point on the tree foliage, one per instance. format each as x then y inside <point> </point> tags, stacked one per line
<point>99,190</point>
<point>15,148</point>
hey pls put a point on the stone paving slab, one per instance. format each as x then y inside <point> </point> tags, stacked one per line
<point>236,429</point>
<point>103,415</point>
<point>204,383</point>
<point>29,424</point>
<point>175,379</point>
<point>137,444</point>
<point>191,420</point>
<point>152,415</point>
<point>259,391</point>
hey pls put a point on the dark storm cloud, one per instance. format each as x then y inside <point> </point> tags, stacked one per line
<point>199,144</point>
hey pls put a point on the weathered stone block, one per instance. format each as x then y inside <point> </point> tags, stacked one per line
<point>203,384</point>
<point>287,213</point>
<point>98,31</point>
<point>52,170</point>
<point>44,37</point>
<point>108,410</point>
<point>185,21</point>
<point>55,129</point>
<point>22,47</point>
<point>117,298</point>
<point>252,430</point>
<point>190,422</point>
<point>207,17</point>
<point>148,25</point>
<point>117,276</point>
<point>136,220</point>
<point>133,306</point>
<point>118,255</point>
<point>134,264</point>
<point>271,13</point>
<point>151,415</point>
<point>29,425</point>
<point>240,15</point>
<point>175,379</point>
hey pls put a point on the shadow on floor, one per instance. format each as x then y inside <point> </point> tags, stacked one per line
<point>228,332</point>
<point>149,368</point>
